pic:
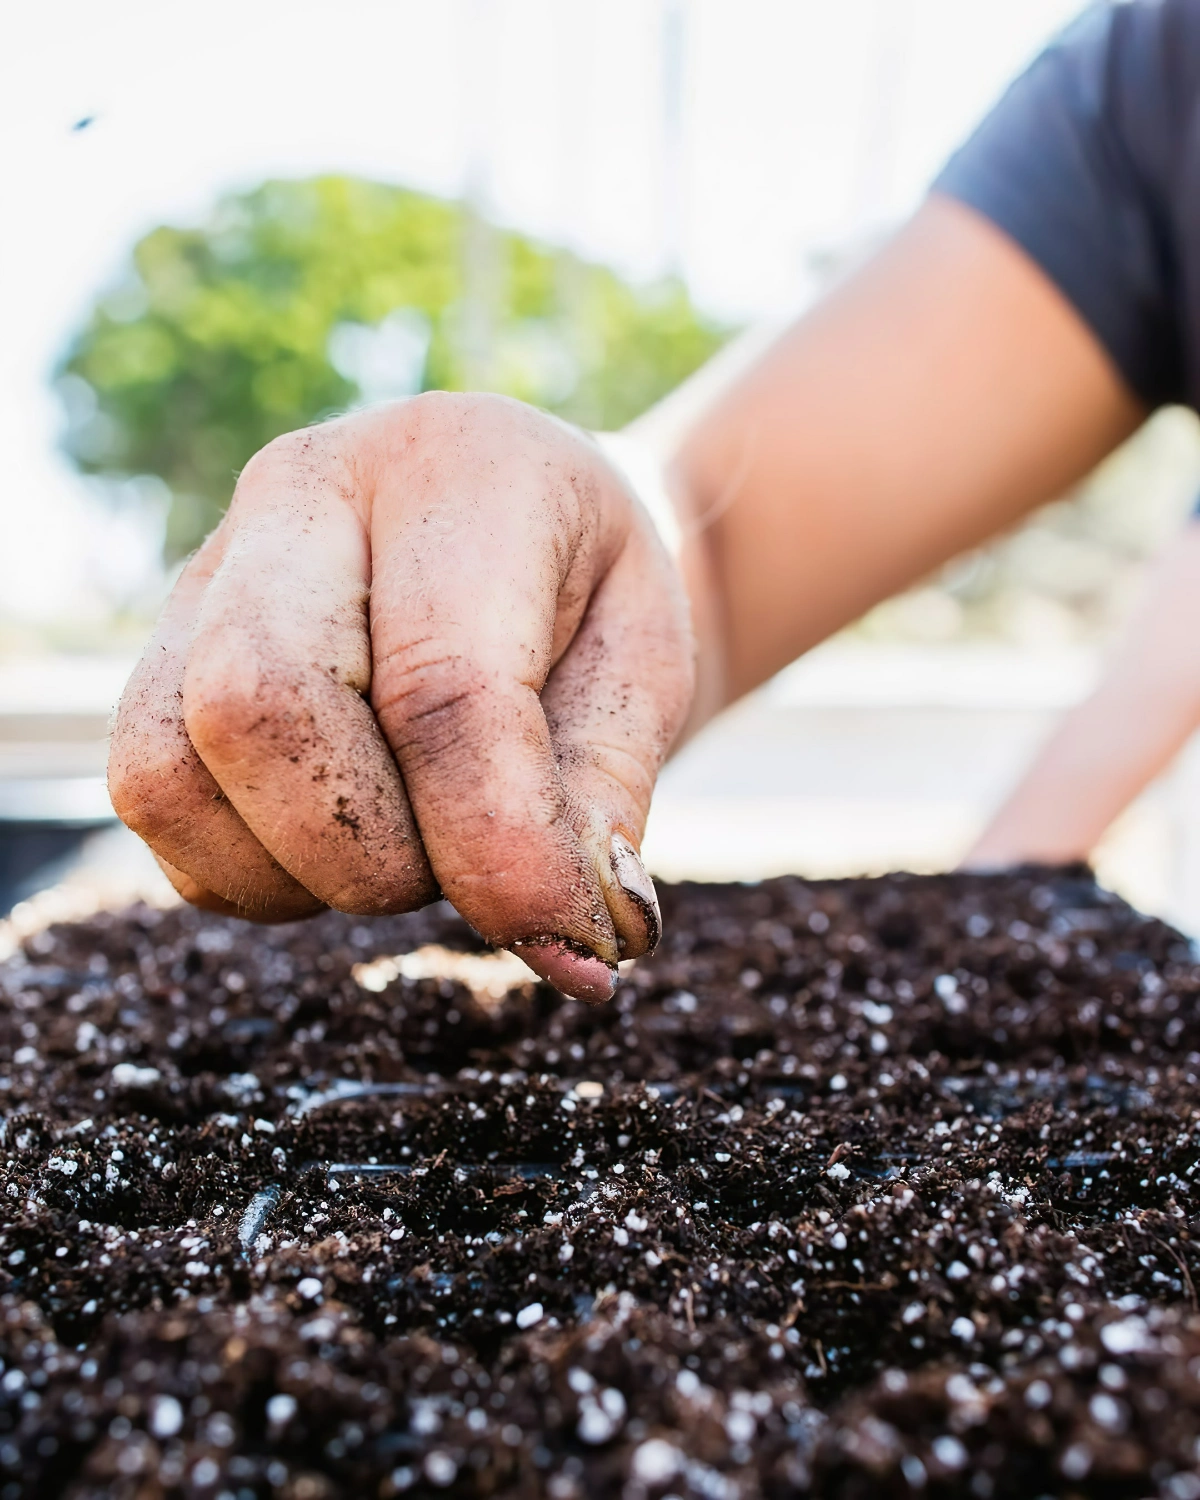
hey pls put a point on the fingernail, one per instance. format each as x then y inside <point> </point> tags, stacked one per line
<point>631,876</point>
<point>572,970</point>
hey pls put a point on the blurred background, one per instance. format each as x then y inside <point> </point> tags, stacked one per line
<point>227,222</point>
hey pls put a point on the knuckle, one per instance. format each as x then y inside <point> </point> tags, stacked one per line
<point>435,724</point>
<point>436,422</point>
<point>151,768</point>
<point>227,699</point>
<point>146,791</point>
<point>385,899</point>
<point>280,452</point>
<point>427,707</point>
<point>285,449</point>
<point>436,409</point>
<point>216,720</point>
<point>307,451</point>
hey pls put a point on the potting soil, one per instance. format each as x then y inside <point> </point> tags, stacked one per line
<point>866,1188</point>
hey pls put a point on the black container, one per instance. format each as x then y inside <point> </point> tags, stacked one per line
<point>43,824</point>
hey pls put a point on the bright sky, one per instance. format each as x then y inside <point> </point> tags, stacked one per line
<point>804,122</point>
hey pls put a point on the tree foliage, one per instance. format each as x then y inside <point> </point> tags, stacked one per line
<point>302,298</point>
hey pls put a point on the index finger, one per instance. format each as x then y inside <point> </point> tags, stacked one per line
<point>273,694</point>
<point>163,791</point>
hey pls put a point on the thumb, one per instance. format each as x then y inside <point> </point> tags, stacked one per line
<point>615,704</point>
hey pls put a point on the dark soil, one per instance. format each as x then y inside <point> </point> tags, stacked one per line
<point>867,1188</point>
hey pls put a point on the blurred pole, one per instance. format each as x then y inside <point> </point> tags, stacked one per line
<point>887,78</point>
<point>572,105</point>
<point>572,98</point>
<point>673,43</point>
<point>481,268</point>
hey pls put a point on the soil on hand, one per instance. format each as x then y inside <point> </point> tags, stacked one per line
<point>866,1188</point>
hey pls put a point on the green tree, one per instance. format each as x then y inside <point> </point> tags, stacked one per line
<point>302,298</point>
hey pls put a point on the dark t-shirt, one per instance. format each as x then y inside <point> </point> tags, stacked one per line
<point>1091,162</point>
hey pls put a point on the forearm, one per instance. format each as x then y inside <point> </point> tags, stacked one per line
<point>1116,742</point>
<point>658,438</point>
<point>938,394</point>
<point>1097,763</point>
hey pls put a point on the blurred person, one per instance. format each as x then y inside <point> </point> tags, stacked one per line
<point>442,646</point>
<point>1109,748</point>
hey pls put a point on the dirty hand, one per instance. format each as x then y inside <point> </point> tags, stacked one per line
<point>432,645</point>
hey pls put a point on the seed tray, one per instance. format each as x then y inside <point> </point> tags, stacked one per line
<point>861,1188</point>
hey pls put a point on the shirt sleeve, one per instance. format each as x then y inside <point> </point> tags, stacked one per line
<point>1074,164</point>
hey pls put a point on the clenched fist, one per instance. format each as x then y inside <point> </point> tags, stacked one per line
<point>433,646</point>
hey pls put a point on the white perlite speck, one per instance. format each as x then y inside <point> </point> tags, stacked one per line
<point>130,1076</point>
<point>656,1461</point>
<point>530,1315</point>
<point>240,1087</point>
<point>594,1426</point>
<point>440,1468</point>
<point>740,1427</point>
<point>946,988</point>
<point>949,1452</point>
<point>1106,1411</point>
<point>281,1408</point>
<point>1129,1336</point>
<point>599,1418</point>
<point>166,1417</point>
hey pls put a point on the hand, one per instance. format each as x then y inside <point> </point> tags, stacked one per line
<point>434,645</point>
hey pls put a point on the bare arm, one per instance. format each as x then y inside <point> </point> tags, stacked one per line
<point>436,645</point>
<point>941,392</point>
<point>1110,747</point>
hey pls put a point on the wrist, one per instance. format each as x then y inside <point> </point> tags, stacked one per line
<point>663,498</point>
<point>642,469</point>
